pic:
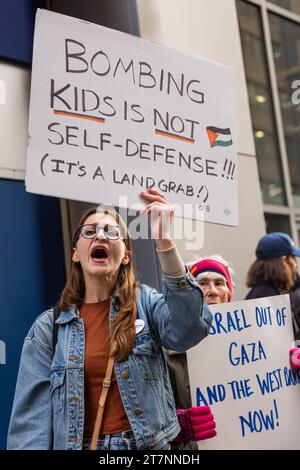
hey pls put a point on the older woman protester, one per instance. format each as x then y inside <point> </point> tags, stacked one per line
<point>214,275</point>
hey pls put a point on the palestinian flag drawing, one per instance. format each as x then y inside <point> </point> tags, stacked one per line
<point>219,137</point>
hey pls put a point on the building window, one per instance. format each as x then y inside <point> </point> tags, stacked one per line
<point>261,104</point>
<point>291,5</point>
<point>286,50</point>
<point>277,223</point>
<point>270,39</point>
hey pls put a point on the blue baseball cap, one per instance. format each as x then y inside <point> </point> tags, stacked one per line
<point>276,244</point>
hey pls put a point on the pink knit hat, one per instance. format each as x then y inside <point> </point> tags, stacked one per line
<point>212,265</point>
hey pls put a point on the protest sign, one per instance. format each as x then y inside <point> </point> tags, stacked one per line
<point>112,114</point>
<point>242,371</point>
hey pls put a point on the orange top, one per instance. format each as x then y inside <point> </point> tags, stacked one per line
<point>96,324</point>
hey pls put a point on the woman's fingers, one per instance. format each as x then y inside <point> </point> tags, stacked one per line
<point>160,216</point>
<point>197,420</point>
<point>158,208</point>
<point>154,191</point>
<point>153,195</point>
<point>206,435</point>
<point>159,204</point>
<point>199,410</point>
<point>155,198</point>
<point>160,212</point>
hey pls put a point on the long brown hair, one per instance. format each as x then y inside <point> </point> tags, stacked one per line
<point>123,325</point>
<point>273,272</point>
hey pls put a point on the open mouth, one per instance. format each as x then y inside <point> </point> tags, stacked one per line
<point>99,253</point>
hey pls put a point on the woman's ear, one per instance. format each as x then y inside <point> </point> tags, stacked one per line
<point>75,256</point>
<point>127,257</point>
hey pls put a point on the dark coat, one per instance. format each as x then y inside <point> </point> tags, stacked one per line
<point>262,290</point>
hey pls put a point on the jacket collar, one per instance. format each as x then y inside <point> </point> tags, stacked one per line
<point>66,317</point>
<point>72,312</point>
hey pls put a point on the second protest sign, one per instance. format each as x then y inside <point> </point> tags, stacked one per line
<point>242,371</point>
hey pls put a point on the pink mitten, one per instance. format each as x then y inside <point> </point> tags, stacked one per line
<point>196,423</point>
<point>295,358</point>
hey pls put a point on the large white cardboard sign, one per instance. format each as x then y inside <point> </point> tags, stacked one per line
<point>242,371</point>
<point>112,114</point>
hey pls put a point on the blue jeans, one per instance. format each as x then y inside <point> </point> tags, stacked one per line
<point>120,441</point>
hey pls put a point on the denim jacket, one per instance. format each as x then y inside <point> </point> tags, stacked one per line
<point>48,408</point>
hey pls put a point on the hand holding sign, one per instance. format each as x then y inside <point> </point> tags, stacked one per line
<point>295,358</point>
<point>161,214</point>
<point>196,423</point>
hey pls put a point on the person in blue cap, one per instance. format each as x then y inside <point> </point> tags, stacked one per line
<point>274,271</point>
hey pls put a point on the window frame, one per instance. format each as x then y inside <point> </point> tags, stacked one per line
<point>266,7</point>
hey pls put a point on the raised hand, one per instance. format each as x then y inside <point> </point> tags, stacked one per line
<point>161,214</point>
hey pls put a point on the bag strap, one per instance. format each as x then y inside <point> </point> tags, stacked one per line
<point>56,313</point>
<point>102,399</point>
<point>105,386</point>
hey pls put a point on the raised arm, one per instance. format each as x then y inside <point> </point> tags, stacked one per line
<point>179,314</point>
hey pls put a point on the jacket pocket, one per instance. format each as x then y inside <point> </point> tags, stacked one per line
<point>57,381</point>
<point>145,355</point>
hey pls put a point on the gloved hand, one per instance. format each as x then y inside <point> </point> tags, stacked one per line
<point>295,358</point>
<point>196,423</point>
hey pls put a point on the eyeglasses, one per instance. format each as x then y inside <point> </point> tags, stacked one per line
<point>110,232</point>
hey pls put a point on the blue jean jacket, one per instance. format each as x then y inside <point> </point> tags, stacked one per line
<point>48,408</point>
